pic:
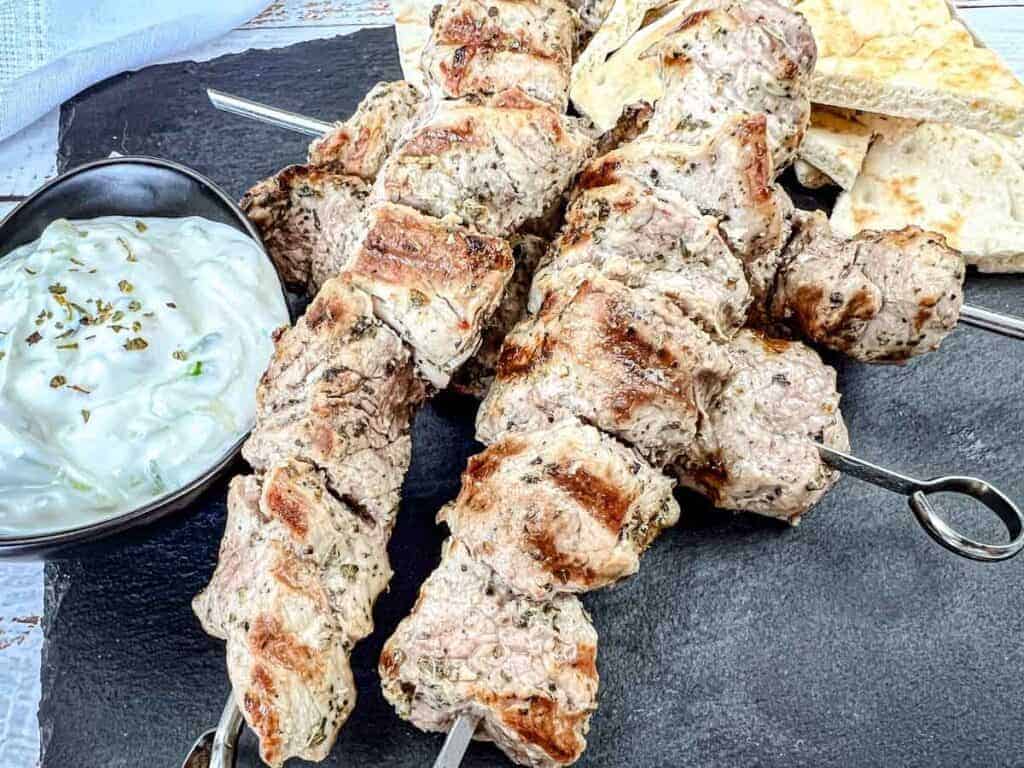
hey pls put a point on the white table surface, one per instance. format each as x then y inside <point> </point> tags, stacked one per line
<point>30,158</point>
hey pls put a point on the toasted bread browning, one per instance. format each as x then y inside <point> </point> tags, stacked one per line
<point>473,646</point>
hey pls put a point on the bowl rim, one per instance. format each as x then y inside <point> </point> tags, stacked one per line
<point>29,544</point>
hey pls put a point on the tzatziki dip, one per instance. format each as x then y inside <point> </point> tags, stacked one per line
<point>130,351</point>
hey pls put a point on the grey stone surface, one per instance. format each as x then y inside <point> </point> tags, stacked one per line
<point>849,641</point>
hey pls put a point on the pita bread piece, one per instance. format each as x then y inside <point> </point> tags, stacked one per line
<point>955,181</point>
<point>911,59</point>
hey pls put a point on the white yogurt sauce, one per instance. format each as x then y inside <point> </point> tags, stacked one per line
<point>130,350</point>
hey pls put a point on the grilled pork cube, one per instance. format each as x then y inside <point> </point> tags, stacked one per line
<point>756,452</point>
<point>304,215</point>
<point>730,57</point>
<point>473,646</point>
<point>628,364</point>
<point>479,48</point>
<point>294,589</point>
<point>879,297</point>
<point>360,145</point>
<point>496,162</point>
<point>652,239</point>
<point>728,177</point>
<point>339,393</point>
<point>475,377</point>
<point>565,509</point>
<point>432,281</point>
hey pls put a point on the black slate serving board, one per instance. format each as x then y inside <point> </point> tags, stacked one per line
<point>849,641</point>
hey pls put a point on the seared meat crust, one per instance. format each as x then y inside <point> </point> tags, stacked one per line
<point>631,366</point>
<point>304,215</point>
<point>433,282</point>
<point>298,574</point>
<point>879,297</point>
<point>360,145</point>
<point>565,509</point>
<point>756,451</point>
<point>339,392</point>
<point>737,58</point>
<point>475,377</point>
<point>728,177</point>
<point>655,241</point>
<point>495,162</point>
<point>473,646</point>
<point>479,48</point>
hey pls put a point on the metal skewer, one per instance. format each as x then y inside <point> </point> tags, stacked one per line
<point>1004,325</point>
<point>216,747</point>
<point>917,493</point>
<point>264,113</point>
<point>457,741</point>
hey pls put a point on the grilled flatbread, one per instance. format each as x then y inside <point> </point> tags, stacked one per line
<point>835,145</point>
<point>412,30</point>
<point>911,59</point>
<point>610,74</point>
<point>964,184</point>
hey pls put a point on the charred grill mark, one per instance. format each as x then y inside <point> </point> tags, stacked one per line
<point>268,640</point>
<point>925,311</point>
<point>258,703</point>
<point>401,244</point>
<point>539,720</point>
<point>600,174</point>
<point>586,661</point>
<point>483,465</point>
<point>712,476</point>
<point>516,360</point>
<point>772,345</point>
<point>693,20</point>
<point>753,133</point>
<point>288,505</point>
<point>563,566</point>
<point>601,498</point>
<point>438,140</point>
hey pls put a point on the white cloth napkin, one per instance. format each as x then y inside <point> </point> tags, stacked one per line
<point>52,49</point>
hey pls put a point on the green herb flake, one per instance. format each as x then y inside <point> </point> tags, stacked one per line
<point>118,316</point>
<point>80,389</point>
<point>85,415</point>
<point>72,345</point>
<point>141,227</point>
<point>125,286</point>
<point>35,338</point>
<point>180,354</point>
<point>57,289</point>
<point>136,326</point>
<point>73,260</point>
<point>128,249</point>
<point>134,305</point>
<point>196,369</point>
<point>2,354</point>
<point>31,271</point>
<point>136,345</point>
<point>57,382</point>
<point>172,305</point>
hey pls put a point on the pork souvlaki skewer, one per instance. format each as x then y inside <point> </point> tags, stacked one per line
<point>632,352</point>
<point>398,224</point>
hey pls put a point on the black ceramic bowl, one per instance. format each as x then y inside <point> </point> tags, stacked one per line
<point>124,186</point>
